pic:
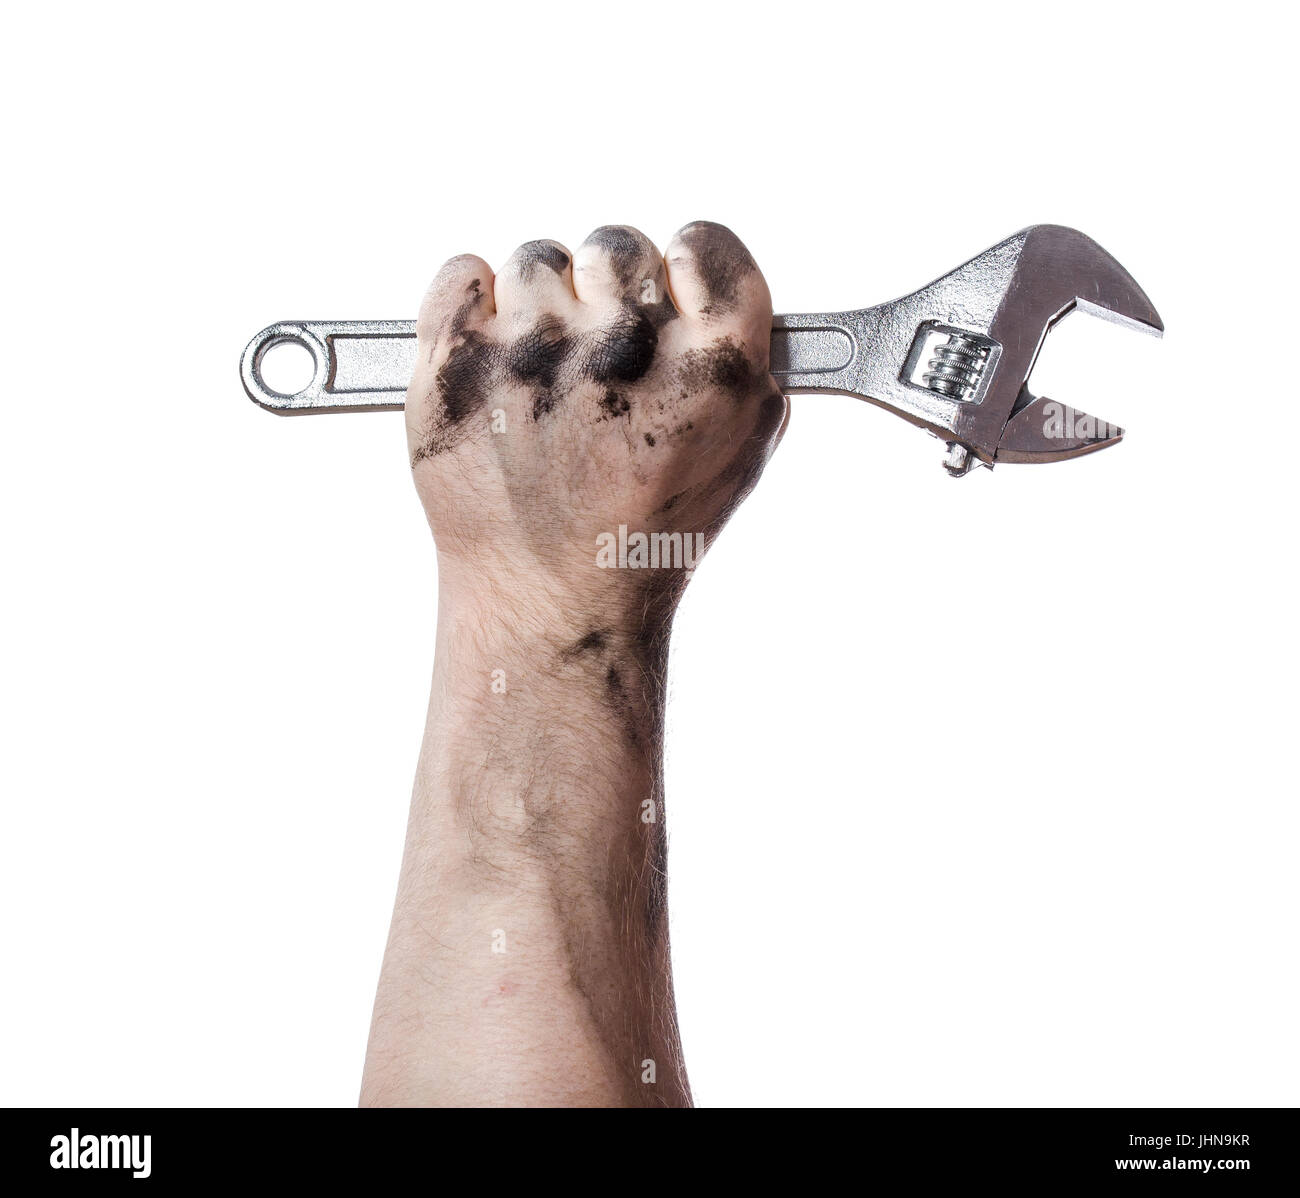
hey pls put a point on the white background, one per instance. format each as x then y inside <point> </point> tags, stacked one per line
<point>981,792</point>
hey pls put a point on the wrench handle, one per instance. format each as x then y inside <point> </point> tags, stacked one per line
<point>365,365</point>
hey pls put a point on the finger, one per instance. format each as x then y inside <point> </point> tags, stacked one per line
<point>454,357</point>
<point>460,297</point>
<point>713,278</point>
<point>620,264</point>
<point>538,276</point>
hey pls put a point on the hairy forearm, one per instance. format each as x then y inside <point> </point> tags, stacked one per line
<point>528,956</point>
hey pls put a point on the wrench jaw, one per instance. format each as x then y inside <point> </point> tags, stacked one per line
<point>1045,430</point>
<point>1058,270</point>
<point>1068,264</point>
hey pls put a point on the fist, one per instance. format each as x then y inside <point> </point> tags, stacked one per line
<point>598,404</point>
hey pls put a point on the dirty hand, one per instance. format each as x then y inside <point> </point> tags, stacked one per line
<point>576,393</point>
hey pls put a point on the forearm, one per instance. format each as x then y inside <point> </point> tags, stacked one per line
<point>528,956</point>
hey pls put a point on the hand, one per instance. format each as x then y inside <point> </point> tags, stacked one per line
<point>574,394</point>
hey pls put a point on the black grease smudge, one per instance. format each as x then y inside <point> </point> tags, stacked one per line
<point>626,249</point>
<point>649,440</point>
<point>623,351</point>
<point>594,641</point>
<point>595,650</point>
<point>614,405</point>
<point>537,359</point>
<point>621,703</point>
<point>465,378</point>
<point>533,254</point>
<point>538,355</point>
<point>473,297</point>
<point>724,366</point>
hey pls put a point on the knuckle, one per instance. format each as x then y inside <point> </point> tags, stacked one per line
<point>457,266</point>
<point>704,233</point>
<point>618,240</point>
<point>543,252</point>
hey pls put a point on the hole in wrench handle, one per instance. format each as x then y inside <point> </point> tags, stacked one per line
<point>361,365</point>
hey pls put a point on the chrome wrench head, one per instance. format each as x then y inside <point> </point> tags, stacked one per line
<point>955,356</point>
<point>1057,270</point>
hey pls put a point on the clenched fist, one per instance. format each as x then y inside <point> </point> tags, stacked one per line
<point>572,395</point>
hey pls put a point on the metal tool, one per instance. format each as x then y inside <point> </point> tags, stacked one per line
<point>954,357</point>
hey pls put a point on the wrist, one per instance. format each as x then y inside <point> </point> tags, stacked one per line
<point>517,682</point>
<point>521,672</point>
<point>487,607</point>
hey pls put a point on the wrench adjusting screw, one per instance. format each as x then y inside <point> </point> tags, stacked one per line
<point>956,367</point>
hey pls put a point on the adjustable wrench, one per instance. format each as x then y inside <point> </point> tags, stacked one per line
<point>953,357</point>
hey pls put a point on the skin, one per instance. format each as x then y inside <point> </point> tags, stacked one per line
<point>528,958</point>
